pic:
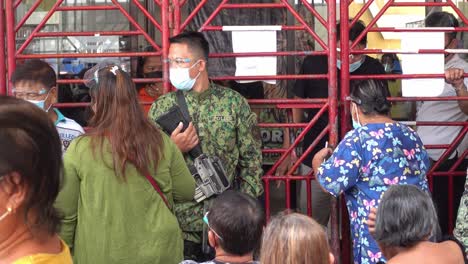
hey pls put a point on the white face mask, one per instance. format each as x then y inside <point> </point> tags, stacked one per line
<point>180,78</point>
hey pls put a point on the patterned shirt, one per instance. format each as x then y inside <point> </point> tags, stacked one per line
<point>365,163</point>
<point>461,228</point>
<point>226,128</point>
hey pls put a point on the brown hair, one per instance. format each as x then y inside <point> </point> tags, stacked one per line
<point>30,146</point>
<point>294,239</point>
<point>119,118</point>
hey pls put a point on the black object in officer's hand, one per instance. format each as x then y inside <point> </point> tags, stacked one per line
<point>171,119</point>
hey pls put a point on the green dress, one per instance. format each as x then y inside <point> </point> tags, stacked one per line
<point>109,220</point>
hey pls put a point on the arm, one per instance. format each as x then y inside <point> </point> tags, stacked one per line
<point>67,200</point>
<point>250,154</point>
<point>455,77</point>
<point>183,184</point>
<point>341,171</point>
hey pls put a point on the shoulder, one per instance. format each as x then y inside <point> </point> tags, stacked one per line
<point>316,63</point>
<point>228,96</point>
<point>194,262</point>
<point>71,125</point>
<point>373,66</point>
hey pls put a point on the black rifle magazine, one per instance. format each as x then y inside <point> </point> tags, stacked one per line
<point>171,119</point>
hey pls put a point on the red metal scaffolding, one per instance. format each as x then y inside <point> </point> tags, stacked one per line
<point>172,23</point>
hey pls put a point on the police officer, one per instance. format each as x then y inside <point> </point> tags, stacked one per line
<point>222,122</point>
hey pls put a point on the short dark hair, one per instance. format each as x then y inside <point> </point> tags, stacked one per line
<point>35,71</point>
<point>239,220</point>
<point>371,96</point>
<point>354,31</point>
<point>406,216</point>
<point>442,19</point>
<point>195,41</point>
<point>30,146</point>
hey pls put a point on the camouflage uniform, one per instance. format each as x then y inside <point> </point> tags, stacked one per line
<point>461,228</point>
<point>226,128</point>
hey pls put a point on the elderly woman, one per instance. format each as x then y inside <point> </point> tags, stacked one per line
<point>405,220</point>
<point>378,153</point>
<point>30,168</point>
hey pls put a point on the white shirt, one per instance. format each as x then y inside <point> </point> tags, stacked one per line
<point>443,111</point>
<point>67,129</point>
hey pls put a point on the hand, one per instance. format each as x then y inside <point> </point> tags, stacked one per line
<point>454,76</point>
<point>371,218</point>
<point>320,157</point>
<point>186,140</point>
<point>154,90</point>
<point>285,166</point>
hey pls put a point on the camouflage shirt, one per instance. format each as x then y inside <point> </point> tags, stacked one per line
<point>226,128</point>
<point>461,228</point>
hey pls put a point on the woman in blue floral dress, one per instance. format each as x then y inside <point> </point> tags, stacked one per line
<point>378,153</point>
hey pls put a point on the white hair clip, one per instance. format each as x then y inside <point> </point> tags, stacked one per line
<point>114,69</point>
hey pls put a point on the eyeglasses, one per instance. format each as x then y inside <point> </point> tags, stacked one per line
<point>31,95</point>
<point>178,62</point>
<point>205,219</point>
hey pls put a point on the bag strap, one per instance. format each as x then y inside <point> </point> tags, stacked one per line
<point>158,190</point>
<point>197,150</point>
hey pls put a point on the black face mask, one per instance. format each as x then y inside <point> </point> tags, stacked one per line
<point>153,74</point>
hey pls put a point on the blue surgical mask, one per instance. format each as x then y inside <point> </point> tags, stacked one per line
<point>41,103</point>
<point>180,78</point>
<point>352,67</point>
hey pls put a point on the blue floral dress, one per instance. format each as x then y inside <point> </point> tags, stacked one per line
<point>365,163</point>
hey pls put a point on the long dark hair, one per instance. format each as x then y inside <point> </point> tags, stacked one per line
<point>30,147</point>
<point>119,118</point>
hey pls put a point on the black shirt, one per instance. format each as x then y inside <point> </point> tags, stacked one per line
<point>318,88</point>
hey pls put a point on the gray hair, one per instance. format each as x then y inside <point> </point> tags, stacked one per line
<point>406,216</point>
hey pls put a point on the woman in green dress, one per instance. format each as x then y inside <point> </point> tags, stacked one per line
<point>112,213</point>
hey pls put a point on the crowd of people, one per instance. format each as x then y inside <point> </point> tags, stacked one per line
<point>125,190</point>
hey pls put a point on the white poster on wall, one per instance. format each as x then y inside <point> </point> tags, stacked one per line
<point>422,63</point>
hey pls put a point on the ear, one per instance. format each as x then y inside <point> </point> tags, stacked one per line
<point>202,65</point>
<point>332,258</point>
<point>15,190</point>
<point>212,239</point>
<point>53,94</point>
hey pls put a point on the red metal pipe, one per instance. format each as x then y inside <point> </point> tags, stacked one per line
<point>253,5</point>
<point>308,150</point>
<point>135,24</point>
<point>283,27</point>
<point>84,55</point>
<point>393,29</point>
<point>444,173</point>
<point>344,46</point>
<point>361,12</point>
<point>28,14</point>
<point>37,28</point>
<point>166,34</point>
<point>288,101</point>
<point>309,197</point>
<point>213,15</point>
<point>87,8</point>
<point>457,10</point>
<point>192,15</point>
<point>147,14</point>
<point>266,180</point>
<point>272,77</point>
<point>11,39</point>
<point>16,4</point>
<point>448,98</point>
<point>449,150</point>
<point>288,193</point>
<point>87,33</point>
<point>261,54</point>
<point>398,76</point>
<point>314,12</point>
<point>420,4</point>
<point>307,27</point>
<point>176,12</point>
<point>371,24</point>
<point>3,81</point>
<point>298,139</point>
